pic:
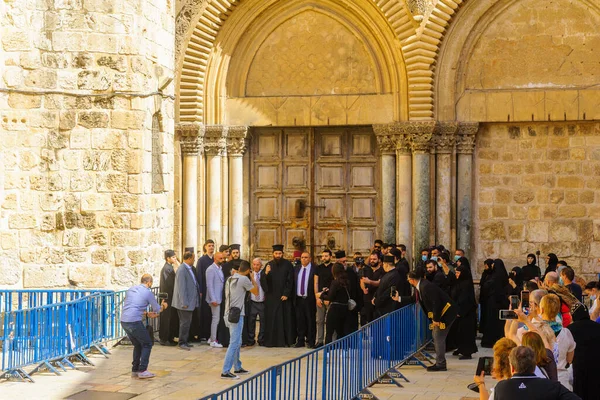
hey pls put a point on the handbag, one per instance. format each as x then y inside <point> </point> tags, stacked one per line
<point>351,303</point>
<point>234,312</point>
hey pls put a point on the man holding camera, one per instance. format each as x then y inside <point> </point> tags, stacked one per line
<point>236,288</point>
<point>137,300</point>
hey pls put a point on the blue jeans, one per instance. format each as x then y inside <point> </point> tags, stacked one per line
<point>232,357</point>
<point>142,344</point>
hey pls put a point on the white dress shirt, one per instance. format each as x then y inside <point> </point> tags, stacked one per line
<point>260,297</point>
<point>306,279</point>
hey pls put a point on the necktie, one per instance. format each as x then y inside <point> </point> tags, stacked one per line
<point>302,286</point>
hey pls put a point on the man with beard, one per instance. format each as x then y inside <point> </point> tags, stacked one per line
<point>278,282</point>
<point>323,278</point>
<point>435,275</point>
<point>228,269</point>
<point>389,283</point>
<point>169,322</point>
<point>203,325</point>
<point>354,292</point>
<point>226,250</point>
<point>371,273</point>
<point>402,267</point>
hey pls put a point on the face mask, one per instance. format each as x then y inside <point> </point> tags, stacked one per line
<point>434,258</point>
<point>456,258</point>
<point>560,281</point>
<point>424,258</point>
<point>593,297</point>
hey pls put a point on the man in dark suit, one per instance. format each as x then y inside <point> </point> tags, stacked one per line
<point>439,309</point>
<point>186,297</point>
<point>169,321</point>
<point>203,263</point>
<point>305,302</point>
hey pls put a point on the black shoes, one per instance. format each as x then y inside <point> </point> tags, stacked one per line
<point>241,371</point>
<point>436,368</point>
<point>164,343</point>
<point>456,353</point>
<point>229,375</point>
<point>465,357</point>
<point>299,345</point>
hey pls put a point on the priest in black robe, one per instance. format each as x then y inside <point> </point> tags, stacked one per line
<point>202,265</point>
<point>389,283</point>
<point>278,282</point>
<point>169,321</point>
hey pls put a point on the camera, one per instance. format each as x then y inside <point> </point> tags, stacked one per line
<point>163,296</point>
<point>359,260</point>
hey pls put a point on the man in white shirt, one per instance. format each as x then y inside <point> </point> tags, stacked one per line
<point>257,307</point>
<point>305,302</point>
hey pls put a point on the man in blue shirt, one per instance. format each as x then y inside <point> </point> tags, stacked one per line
<point>137,299</point>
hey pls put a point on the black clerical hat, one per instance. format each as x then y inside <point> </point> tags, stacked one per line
<point>388,259</point>
<point>277,247</point>
<point>169,253</point>
<point>340,254</point>
<point>234,247</point>
<point>223,247</point>
<point>396,252</point>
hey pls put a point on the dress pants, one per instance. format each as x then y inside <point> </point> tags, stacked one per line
<point>305,320</point>
<point>185,321</point>
<point>439,343</point>
<point>256,309</point>
<point>321,312</point>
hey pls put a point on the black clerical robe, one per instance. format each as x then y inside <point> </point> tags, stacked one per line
<point>169,321</point>
<point>279,315</point>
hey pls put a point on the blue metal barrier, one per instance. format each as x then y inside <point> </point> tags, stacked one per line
<point>358,360</point>
<point>30,298</point>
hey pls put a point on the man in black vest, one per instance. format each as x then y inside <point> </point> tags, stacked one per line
<point>439,309</point>
<point>524,385</point>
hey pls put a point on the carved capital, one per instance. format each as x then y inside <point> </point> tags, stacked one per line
<point>444,137</point>
<point>190,138</point>
<point>215,141</point>
<point>237,140</point>
<point>465,140</point>
<point>419,134</point>
<point>391,138</point>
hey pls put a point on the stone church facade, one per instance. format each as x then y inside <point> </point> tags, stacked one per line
<point>132,126</point>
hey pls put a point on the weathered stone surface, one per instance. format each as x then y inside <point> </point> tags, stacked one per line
<point>39,276</point>
<point>95,276</point>
<point>493,231</point>
<point>10,270</point>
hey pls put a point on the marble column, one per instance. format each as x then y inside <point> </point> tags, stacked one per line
<point>420,138</point>
<point>214,148</point>
<point>443,144</point>
<point>404,193</point>
<point>387,148</point>
<point>465,144</point>
<point>191,146</point>
<point>236,147</point>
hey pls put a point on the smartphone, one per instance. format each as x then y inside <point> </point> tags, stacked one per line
<point>525,299</point>
<point>484,365</point>
<point>514,302</point>
<point>507,314</point>
<point>393,290</point>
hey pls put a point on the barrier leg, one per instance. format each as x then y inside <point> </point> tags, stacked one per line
<point>101,350</point>
<point>59,364</point>
<point>46,365</point>
<point>68,363</point>
<point>18,373</point>
<point>83,358</point>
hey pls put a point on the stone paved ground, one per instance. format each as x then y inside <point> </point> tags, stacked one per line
<point>190,375</point>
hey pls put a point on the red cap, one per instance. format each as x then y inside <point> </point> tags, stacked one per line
<point>297,254</point>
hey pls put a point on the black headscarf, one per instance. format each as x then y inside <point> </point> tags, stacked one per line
<point>517,276</point>
<point>464,262</point>
<point>500,274</point>
<point>552,262</point>
<point>465,271</point>
<point>579,312</point>
<point>534,259</point>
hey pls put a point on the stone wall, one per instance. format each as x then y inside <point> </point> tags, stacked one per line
<point>538,188</point>
<point>85,176</point>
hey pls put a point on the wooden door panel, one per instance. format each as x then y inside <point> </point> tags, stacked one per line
<point>361,239</point>
<point>264,238</point>
<point>362,177</point>
<point>268,208</point>
<point>362,209</point>
<point>296,176</point>
<point>267,176</point>
<point>267,144</point>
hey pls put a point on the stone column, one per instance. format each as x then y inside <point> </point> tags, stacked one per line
<point>420,138</point>
<point>236,147</point>
<point>404,193</point>
<point>214,148</point>
<point>443,144</point>
<point>191,146</point>
<point>465,144</point>
<point>387,149</point>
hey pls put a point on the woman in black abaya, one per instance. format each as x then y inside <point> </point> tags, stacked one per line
<point>552,260</point>
<point>463,294</point>
<point>515,280</point>
<point>496,289</point>
<point>483,295</point>
<point>531,270</point>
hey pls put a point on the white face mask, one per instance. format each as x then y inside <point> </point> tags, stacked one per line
<point>593,297</point>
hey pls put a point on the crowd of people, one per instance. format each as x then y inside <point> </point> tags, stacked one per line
<point>225,301</point>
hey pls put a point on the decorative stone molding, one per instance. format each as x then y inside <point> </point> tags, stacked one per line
<point>190,138</point>
<point>386,138</point>
<point>237,140</point>
<point>215,140</point>
<point>465,141</point>
<point>444,137</point>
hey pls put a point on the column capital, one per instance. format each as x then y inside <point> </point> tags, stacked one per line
<point>215,142</point>
<point>444,137</point>
<point>419,134</point>
<point>237,140</point>
<point>465,141</point>
<point>190,138</point>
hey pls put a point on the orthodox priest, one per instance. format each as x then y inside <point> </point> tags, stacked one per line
<point>169,321</point>
<point>278,283</point>
<point>203,326</point>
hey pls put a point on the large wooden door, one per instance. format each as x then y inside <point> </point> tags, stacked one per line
<point>314,184</point>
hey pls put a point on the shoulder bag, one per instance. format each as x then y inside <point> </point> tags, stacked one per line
<point>234,312</point>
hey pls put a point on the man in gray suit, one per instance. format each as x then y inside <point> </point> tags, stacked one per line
<point>185,298</point>
<point>215,281</point>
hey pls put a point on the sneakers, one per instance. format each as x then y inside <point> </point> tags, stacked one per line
<point>229,375</point>
<point>216,345</point>
<point>145,375</point>
<point>241,371</point>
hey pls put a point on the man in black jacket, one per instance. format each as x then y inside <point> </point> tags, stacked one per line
<point>169,321</point>
<point>305,302</point>
<point>439,309</point>
<point>435,275</point>
<point>524,385</point>
<point>388,284</point>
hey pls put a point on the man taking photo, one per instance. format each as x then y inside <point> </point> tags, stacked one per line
<point>137,299</point>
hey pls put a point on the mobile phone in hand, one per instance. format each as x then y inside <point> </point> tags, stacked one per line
<point>484,365</point>
<point>507,314</point>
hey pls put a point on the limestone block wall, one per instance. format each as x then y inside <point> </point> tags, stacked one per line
<point>537,187</point>
<point>86,148</point>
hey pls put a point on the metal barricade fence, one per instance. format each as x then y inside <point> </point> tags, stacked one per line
<point>341,369</point>
<point>30,298</point>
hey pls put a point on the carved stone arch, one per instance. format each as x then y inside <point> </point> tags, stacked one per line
<point>198,24</point>
<point>456,48</point>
